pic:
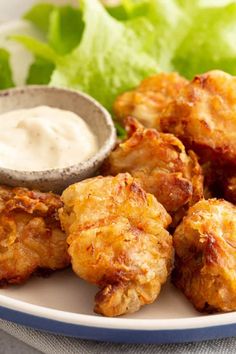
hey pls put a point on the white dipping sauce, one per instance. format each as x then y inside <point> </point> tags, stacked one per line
<point>43,138</point>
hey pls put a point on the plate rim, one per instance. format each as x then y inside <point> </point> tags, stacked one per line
<point>119,323</point>
<point>129,336</point>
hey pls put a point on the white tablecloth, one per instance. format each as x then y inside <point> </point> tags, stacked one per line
<point>51,344</point>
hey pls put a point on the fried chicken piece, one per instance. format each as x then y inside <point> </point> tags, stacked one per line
<point>203,116</point>
<point>117,240</point>
<point>205,246</point>
<point>30,234</point>
<point>147,102</point>
<point>161,166</point>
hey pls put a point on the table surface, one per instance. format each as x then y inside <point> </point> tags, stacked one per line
<point>10,345</point>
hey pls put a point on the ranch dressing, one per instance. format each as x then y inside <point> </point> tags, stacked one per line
<point>43,138</point>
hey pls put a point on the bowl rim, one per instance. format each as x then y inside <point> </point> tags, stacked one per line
<point>52,174</point>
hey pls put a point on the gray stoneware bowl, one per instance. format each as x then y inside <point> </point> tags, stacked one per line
<point>98,119</point>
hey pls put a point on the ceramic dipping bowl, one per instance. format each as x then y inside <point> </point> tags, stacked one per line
<point>97,118</point>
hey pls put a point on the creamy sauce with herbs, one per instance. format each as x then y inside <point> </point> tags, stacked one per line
<point>43,138</point>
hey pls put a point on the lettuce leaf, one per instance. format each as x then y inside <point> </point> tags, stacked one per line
<point>40,72</point>
<point>39,15</point>
<point>210,42</point>
<point>156,22</point>
<point>128,9</point>
<point>6,80</point>
<point>120,131</point>
<point>105,51</point>
<point>38,48</point>
<point>108,60</point>
<point>63,26</point>
<point>65,29</point>
<point>113,54</point>
<point>168,31</point>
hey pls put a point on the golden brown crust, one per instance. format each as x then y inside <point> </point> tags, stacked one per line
<point>117,240</point>
<point>30,234</point>
<point>161,166</point>
<point>44,204</point>
<point>147,102</point>
<point>203,116</point>
<point>205,264</point>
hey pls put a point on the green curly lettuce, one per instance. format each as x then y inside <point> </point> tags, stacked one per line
<point>104,51</point>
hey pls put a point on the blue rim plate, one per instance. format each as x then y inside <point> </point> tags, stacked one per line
<point>126,330</point>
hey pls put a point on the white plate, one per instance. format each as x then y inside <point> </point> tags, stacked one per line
<point>63,303</point>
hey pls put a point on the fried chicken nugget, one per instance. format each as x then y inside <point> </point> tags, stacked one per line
<point>117,240</point>
<point>205,246</point>
<point>203,116</point>
<point>161,166</point>
<point>147,102</point>
<point>30,234</point>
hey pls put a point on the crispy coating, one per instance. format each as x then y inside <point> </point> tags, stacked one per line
<point>117,240</point>
<point>30,234</point>
<point>147,102</point>
<point>161,166</point>
<point>205,246</point>
<point>203,116</point>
